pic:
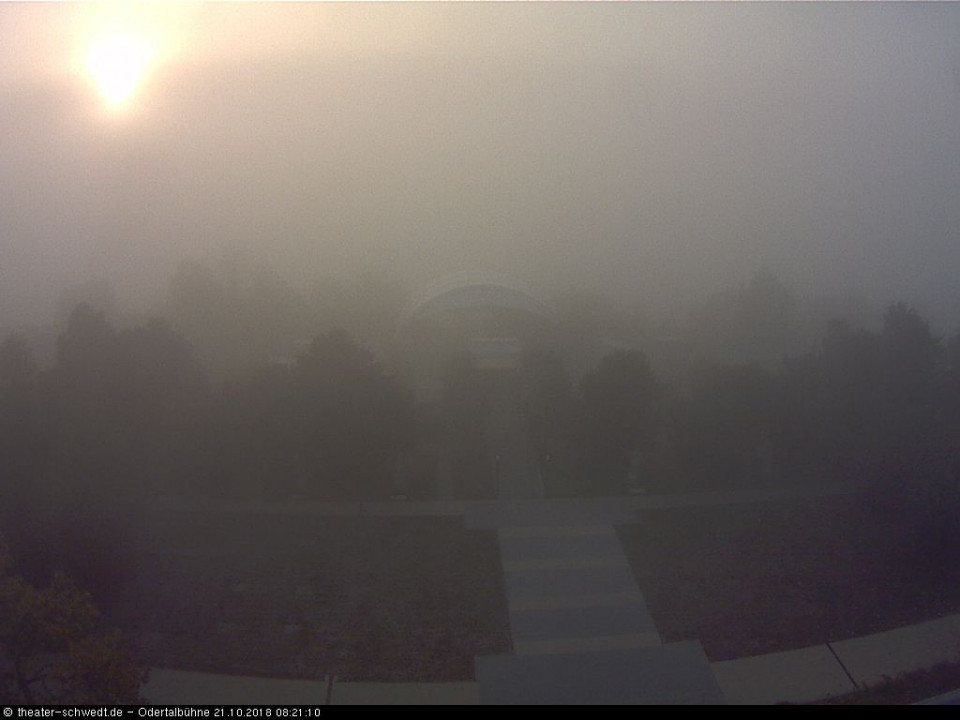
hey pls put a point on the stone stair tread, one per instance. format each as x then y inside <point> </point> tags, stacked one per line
<point>676,673</point>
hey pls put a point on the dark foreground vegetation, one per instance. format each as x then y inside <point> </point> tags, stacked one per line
<point>54,647</point>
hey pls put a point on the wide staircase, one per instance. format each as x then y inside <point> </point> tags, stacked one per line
<point>581,630</point>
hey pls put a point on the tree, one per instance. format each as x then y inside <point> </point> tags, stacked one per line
<point>87,347</point>
<point>582,319</point>
<point>951,370</point>
<point>350,419</point>
<point>53,651</point>
<point>21,431</point>
<point>26,441</point>
<point>104,417</point>
<point>125,402</point>
<point>367,304</point>
<point>17,364</point>
<point>764,319</point>
<point>753,323</point>
<point>236,318</point>
<point>160,395</point>
<point>466,411</point>
<point>725,430</point>
<point>888,426</point>
<point>911,364</point>
<point>912,485</point>
<point>547,403</point>
<point>617,415</point>
<point>96,293</point>
<point>852,372</point>
<point>799,432</point>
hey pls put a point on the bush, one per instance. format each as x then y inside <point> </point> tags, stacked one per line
<point>52,651</point>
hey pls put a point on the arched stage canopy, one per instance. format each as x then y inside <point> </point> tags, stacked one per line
<point>473,290</point>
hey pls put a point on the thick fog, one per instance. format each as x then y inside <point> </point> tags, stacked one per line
<point>655,153</point>
<point>497,353</point>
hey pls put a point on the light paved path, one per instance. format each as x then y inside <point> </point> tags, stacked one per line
<point>179,687</point>
<point>950,698</point>
<point>360,693</point>
<point>581,630</point>
<point>675,674</point>
<point>571,588</point>
<point>795,676</point>
<point>580,626</point>
<point>872,658</point>
<point>823,671</point>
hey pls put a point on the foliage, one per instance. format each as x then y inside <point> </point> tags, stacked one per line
<point>238,316</point>
<point>127,413</point>
<point>877,409</point>
<point>52,650</point>
<point>754,323</point>
<point>726,429</point>
<point>617,416</point>
<point>466,410</point>
<point>547,401</point>
<point>352,420</point>
<point>548,407</point>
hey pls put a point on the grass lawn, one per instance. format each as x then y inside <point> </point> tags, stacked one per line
<point>753,579</point>
<point>380,599</point>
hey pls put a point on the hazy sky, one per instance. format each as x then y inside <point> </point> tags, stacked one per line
<point>659,150</point>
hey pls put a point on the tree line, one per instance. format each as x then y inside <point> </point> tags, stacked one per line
<point>876,410</point>
<point>124,415</point>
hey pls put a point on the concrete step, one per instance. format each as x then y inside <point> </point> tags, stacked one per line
<point>582,623</point>
<point>674,674</point>
<point>591,644</point>
<point>582,600</point>
<point>555,582</point>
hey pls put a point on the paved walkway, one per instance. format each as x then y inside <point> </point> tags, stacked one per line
<point>570,588</point>
<point>580,626</point>
<point>178,687</point>
<point>581,630</point>
<point>838,668</point>
<point>667,674</point>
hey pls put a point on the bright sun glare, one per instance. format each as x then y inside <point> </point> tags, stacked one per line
<point>117,64</point>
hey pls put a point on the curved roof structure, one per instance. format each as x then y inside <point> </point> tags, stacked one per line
<point>472,290</point>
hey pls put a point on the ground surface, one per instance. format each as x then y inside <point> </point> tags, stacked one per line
<point>753,579</point>
<point>906,689</point>
<point>384,599</point>
<point>417,598</point>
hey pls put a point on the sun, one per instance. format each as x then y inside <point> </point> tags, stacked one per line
<point>117,63</point>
